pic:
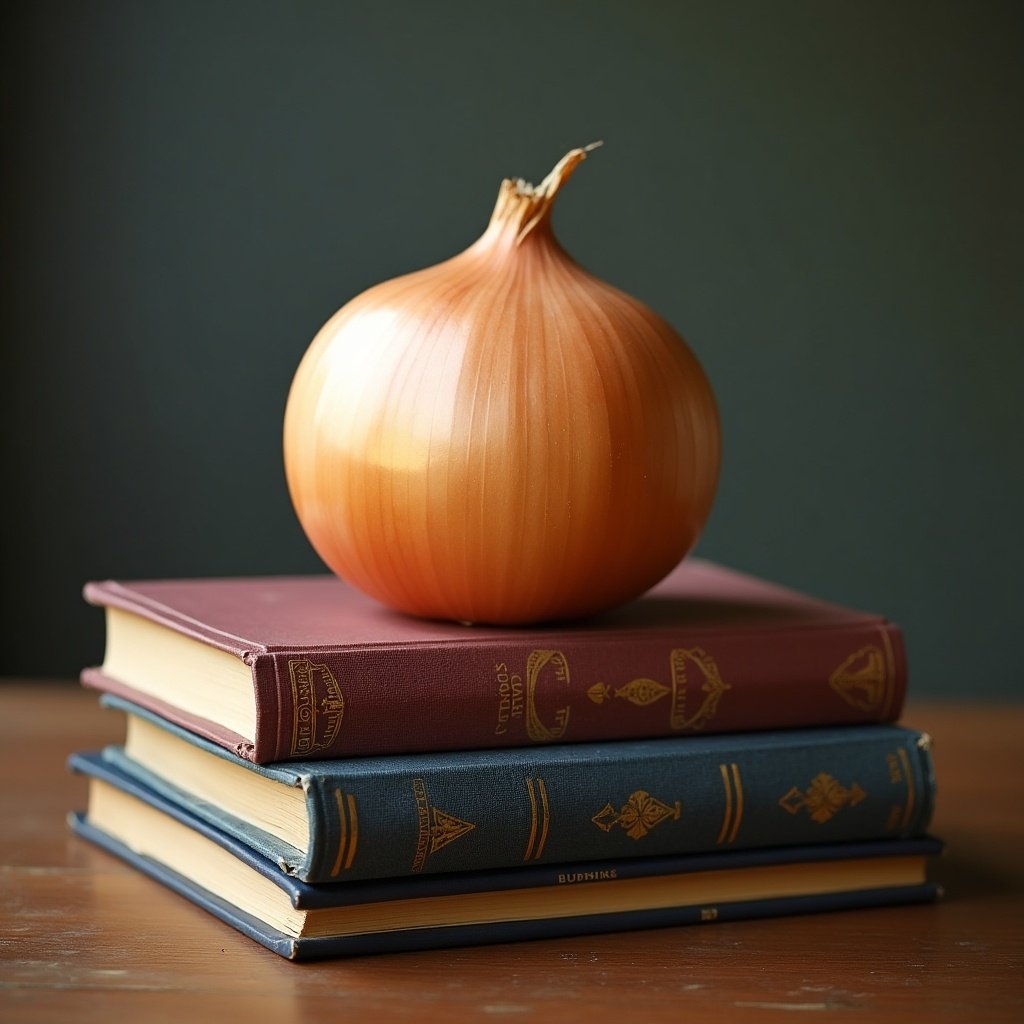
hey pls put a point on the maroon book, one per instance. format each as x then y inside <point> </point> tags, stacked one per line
<point>299,668</point>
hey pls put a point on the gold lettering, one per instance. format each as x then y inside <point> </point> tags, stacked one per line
<point>319,706</point>
<point>423,815</point>
<point>510,697</point>
<point>516,682</point>
<point>604,875</point>
<point>302,696</point>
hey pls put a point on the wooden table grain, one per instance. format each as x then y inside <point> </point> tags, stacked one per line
<point>84,938</point>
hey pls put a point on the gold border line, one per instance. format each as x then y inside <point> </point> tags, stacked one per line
<point>343,838</point>
<point>908,774</point>
<point>533,820</point>
<point>738,785</point>
<point>353,817</point>
<point>728,803</point>
<point>546,819</point>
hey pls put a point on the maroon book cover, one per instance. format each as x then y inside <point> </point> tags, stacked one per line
<point>335,674</point>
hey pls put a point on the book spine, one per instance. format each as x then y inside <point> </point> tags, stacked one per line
<point>594,801</point>
<point>560,876</point>
<point>592,924</point>
<point>513,693</point>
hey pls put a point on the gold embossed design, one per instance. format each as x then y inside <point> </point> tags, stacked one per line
<point>862,680</point>
<point>540,818</point>
<point>552,667</point>
<point>642,692</point>
<point>318,706</point>
<point>348,840</point>
<point>437,828</point>
<point>690,665</point>
<point>823,799</point>
<point>637,816</point>
<point>684,665</point>
<point>446,828</point>
<point>733,803</point>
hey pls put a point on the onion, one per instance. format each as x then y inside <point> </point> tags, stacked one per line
<point>502,437</point>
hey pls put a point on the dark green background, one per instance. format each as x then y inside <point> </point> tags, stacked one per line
<point>825,198</point>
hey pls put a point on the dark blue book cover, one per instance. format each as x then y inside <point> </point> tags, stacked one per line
<point>640,891</point>
<point>380,817</point>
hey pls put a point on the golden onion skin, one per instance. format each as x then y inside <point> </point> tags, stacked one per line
<point>501,438</point>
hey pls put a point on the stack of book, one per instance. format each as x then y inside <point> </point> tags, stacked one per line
<point>331,777</point>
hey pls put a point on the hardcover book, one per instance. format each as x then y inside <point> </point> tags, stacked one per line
<point>304,668</point>
<point>249,892</point>
<point>376,817</point>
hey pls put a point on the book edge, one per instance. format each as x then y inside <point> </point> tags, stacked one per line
<point>122,595</point>
<point>473,934</point>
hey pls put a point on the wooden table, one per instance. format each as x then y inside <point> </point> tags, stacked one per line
<point>84,938</point>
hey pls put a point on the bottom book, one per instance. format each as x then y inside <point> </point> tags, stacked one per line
<point>302,921</point>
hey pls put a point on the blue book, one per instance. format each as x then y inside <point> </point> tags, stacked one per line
<point>383,817</point>
<point>299,921</point>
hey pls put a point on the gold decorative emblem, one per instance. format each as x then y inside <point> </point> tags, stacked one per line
<point>643,692</point>
<point>446,828</point>
<point>437,828</point>
<point>640,692</point>
<point>553,667</point>
<point>861,680</point>
<point>637,816</point>
<point>698,663</point>
<point>319,706</point>
<point>824,798</point>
